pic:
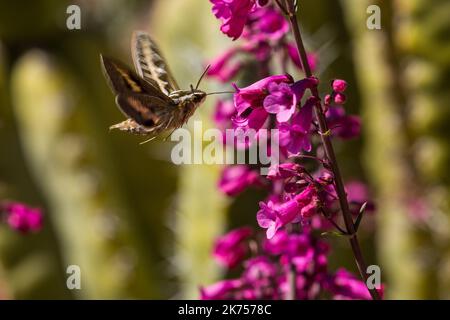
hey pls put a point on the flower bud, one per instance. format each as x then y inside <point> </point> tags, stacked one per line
<point>339,85</point>
<point>339,98</point>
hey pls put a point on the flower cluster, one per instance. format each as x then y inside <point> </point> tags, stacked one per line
<point>266,273</point>
<point>20,217</point>
<point>303,196</point>
<point>263,30</point>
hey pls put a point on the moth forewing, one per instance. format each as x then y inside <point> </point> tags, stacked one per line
<point>150,63</point>
<point>121,79</point>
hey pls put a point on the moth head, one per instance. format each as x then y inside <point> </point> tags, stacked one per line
<point>198,96</point>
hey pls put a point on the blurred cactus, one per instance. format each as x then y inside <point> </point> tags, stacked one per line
<point>106,194</point>
<point>87,213</point>
<point>30,266</point>
<point>423,36</point>
<point>392,65</point>
<point>199,215</point>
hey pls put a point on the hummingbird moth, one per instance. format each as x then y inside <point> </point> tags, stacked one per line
<point>150,97</point>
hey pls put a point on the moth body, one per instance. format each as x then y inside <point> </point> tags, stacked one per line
<point>150,98</point>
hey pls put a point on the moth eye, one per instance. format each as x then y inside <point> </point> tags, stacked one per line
<point>148,123</point>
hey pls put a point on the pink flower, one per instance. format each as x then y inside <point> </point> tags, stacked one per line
<point>277,244</point>
<point>342,125</point>
<point>253,96</point>
<point>259,48</point>
<point>357,194</point>
<point>306,253</point>
<point>266,24</point>
<point>252,119</point>
<point>280,101</point>
<point>222,68</point>
<point>23,218</point>
<point>284,171</point>
<point>259,268</point>
<point>308,200</point>
<point>249,102</point>
<point>300,86</point>
<point>346,286</point>
<point>293,54</point>
<point>294,136</point>
<point>233,14</point>
<point>274,94</point>
<point>272,216</point>
<point>221,290</point>
<point>230,249</point>
<point>223,113</point>
<point>235,179</point>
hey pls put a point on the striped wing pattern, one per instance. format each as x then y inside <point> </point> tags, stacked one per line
<point>150,64</point>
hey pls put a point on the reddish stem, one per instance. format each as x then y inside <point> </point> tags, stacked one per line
<point>330,154</point>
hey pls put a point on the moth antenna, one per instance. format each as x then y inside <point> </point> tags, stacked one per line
<point>219,92</point>
<point>148,140</point>
<point>165,139</point>
<point>201,77</point>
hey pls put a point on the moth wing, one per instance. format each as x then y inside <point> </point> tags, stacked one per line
<point>150,63</point>
<point>123,80</point>
<point>145,110</point>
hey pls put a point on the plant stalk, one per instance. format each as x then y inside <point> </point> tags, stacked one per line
<point>329,151</point>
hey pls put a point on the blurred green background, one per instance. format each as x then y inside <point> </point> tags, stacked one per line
<point>142,227</point>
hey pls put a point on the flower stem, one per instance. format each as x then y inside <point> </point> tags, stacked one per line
<point>329,151</point>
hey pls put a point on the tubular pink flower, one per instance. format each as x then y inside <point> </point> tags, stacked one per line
<point>231,248</point>
<point>23,218</point>
<point>343,126</point>
<point>233,14</point>
<point>266,24</point>
<point>222,68</point>
<point>254,95</point>
<point>223,113</point>
<point>280,101</point>
<point>293,54</point>
<point>235,179</point>
<point>272,216</point>
<point>295,136</point>
<point>345,286</point>
<point>221,290</point>
<point>277,244</point>
<point>258,268</point>
<point>284,171</point>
